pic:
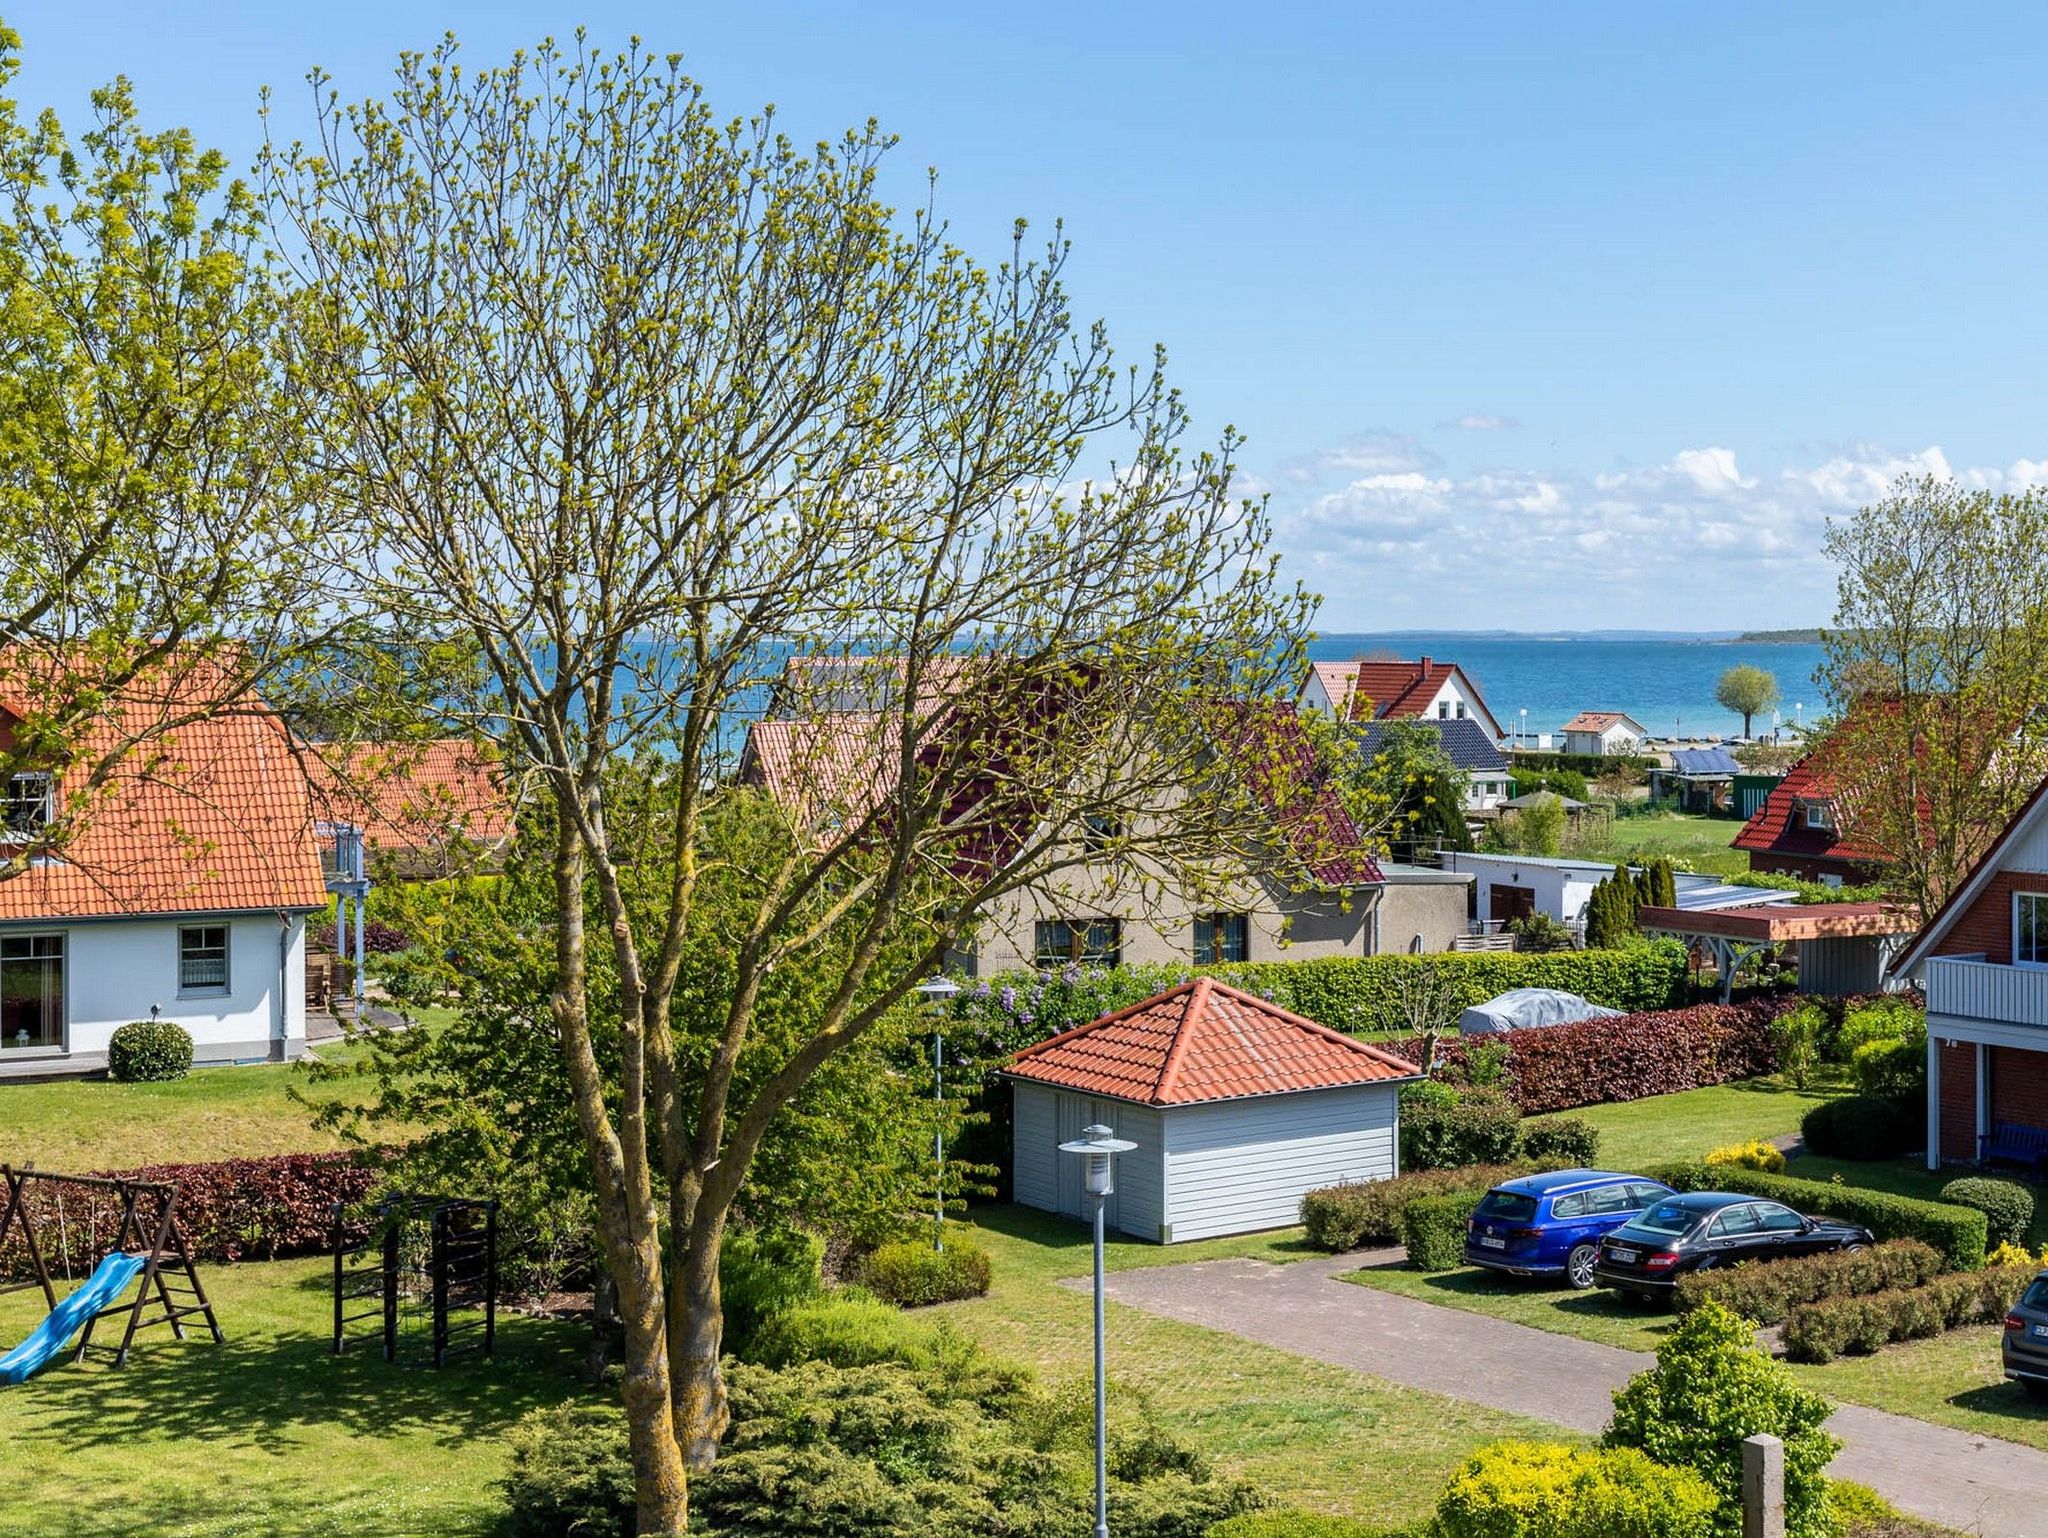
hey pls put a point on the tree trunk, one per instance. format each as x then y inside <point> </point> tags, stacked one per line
<point>604,1309</point>
<point>661,1507</point>
<point>696,1336</point>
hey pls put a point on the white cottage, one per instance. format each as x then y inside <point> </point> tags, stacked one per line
<point>1597,733</point>
<point>1238,1108</point>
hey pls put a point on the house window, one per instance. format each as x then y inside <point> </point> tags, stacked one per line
<point>1443,710</point>
<point>31,992</point>
<point>1100,832</point>
<point>2030,929</point>
<point>1820,816</point>
<point>27,808</point>
<point>1088,942</point>
<point>203,959</point>
<point>1221,937</point>
<point>1461,710</point>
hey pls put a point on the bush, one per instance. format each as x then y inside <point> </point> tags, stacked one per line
<point>1765,1294</point>
<point>849,1329</point>
<point>763,1273</point>
<point>2008,1206</point>
<point>1563,1142</point>
<point>570,1473</point>
<point>1540,933</point>
<point>1369,1211</point>
<point>1753,1155</point>
<point>1478,1127</point>
<point>1892,1070</point>
<point>1433,1229</point>
<point>1711,1388</point>
<point>1535,1490</point>
<point>1797,1037</point>
<point>1862,1127</point>
<point>1819,1332</point>
<point>1890,1019</point>
<point>1292,1524</point>
<point>911,1274</point>
<point>149,1052</point>
<point>1956,1232</point>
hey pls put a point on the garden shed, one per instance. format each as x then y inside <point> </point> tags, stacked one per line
<point>1237,1106</point>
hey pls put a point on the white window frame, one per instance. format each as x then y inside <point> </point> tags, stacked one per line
<point>62,1046</point>
<point>8,831</point>
<point>1820,817</point>
<point>2017,899</point>
<point>224,987</point>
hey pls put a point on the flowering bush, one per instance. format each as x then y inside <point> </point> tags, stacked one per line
<point>1753,1155</point>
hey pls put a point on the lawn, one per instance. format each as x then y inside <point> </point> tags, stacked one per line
<point>1692,842</point>
<point>1690,1123</point>
<point>1313,1435</point>
<point>269,1433</point>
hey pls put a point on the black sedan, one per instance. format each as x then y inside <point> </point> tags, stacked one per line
<point>1649,1253</point>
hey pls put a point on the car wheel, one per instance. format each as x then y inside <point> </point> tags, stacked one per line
<point>1578,1266</point>
<point>1852,1247</point>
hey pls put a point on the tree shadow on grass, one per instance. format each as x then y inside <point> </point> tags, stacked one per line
<point>2003,1401</point>
<point>1051,1231</point>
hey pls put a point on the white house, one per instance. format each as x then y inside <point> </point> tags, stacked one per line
<point>1604,731</point>
<point>1425,689</point>
<point>1510,886</point>
<point>182,893</point>
<point>1238,1108</point>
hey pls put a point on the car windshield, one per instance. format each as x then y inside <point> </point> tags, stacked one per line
<point>2036,1295</point>
<point>1664,1219</point>
<point>1508,1206</point>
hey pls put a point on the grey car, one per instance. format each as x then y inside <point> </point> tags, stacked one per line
<point>2025,1349</point>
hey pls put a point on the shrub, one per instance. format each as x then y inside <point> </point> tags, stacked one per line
<point>912,1274</point>
<point>1565,1142</point>
<point>1819,1332</point>
<point>149,1052</point>
<point>765,1272</point>
<point>849,1329</point>
<point>1433,1229</point>
<point>1536,1490</point>
<point>1711,1388</point>
<point>570,1473</point>
<point>1478,1127</point>
<point>1369,1212</point>
<point>1292,1524</point>
<point>1876,1020</point>
<point>1892,1070</point>
<point>1539,932</point>
<point>1753,1155</point>
<point>1861,1127</point>
<point>1956,1232</point>
<point>1796,1036</point>
<point>2008,1206</point>
<point>1765,1294</point>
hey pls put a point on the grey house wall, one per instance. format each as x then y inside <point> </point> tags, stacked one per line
<point>1203,1170</point>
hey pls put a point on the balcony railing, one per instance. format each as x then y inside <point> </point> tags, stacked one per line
<point>1986,990</point>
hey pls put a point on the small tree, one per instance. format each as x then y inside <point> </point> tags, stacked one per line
<point>1428,1004</point>
<point>1746,690</point>
<point>1611,910</point>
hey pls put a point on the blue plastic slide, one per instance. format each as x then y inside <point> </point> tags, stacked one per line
<point>108,1281</point>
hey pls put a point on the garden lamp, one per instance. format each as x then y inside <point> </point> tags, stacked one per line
<point>1099,1146</point>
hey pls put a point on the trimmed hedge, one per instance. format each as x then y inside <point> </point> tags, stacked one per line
<point>1863,1128</point>
<point>1563,1142</point>
<point>1819,1332</point>
<point>1958,1233</point>
<point>1765,1294</point>
<point>1433,1229</point>
<point>1455,1132</point>
<point>911,1274</point>
<point>1343,1217</point>
<point>1538,1490</point>
<point>2008,1206</point>
<point>149,1052</point>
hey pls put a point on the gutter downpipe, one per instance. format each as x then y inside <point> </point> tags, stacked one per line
<point>281,1040</point>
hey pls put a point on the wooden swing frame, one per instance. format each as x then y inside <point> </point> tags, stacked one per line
<point>158,1237</point>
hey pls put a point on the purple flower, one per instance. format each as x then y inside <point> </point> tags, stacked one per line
<point>981,989</point>
<point>1025,1018</point>
<point>1071,975</point>
<point>1009,998</point>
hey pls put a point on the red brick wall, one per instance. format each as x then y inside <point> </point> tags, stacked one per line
<point>2019,1086</point>
<point>1959,1101</point>
<point>1986,925</point>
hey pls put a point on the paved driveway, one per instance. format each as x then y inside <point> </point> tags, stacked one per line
<point>1978,1484</point>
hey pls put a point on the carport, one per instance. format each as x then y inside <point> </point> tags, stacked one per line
<point>1843,947</point>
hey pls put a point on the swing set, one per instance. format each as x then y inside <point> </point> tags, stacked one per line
<point>146,1242</point>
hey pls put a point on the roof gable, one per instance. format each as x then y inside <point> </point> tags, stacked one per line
<point>2010,839</point>
<point>1604,720</point>
<point>1396,688</point>
<point>1204,1041</point>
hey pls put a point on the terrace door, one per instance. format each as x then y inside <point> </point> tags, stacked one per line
<point>1511,902</point>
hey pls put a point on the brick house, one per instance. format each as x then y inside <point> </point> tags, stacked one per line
<point>1983,960</point>
<point>1796,833</point>
<point>1425,689</point>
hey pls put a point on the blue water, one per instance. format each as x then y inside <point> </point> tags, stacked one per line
<point>1667,684</point>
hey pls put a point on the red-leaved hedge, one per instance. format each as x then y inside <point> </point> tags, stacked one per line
<point>1626,1057</point>
<point>236,1209</point>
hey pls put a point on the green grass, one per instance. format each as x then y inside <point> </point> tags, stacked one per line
<point>1311,1434</point>
<point>269,1433</point>
<point>1693,1122</point>
<point>1696,843</point>
<point>1598,1315</point>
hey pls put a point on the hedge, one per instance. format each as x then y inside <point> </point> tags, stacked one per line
<point>1765,1294</point>
<point>1957,1232</point>
<point>1540,1490</point>
<point>1579,763</point>
<point>236,1209</point>
<point>2008,1206</point>
<point>911,1274</point>
<point>1343,1217</point>
<point>1863,1128</point>
<point>1433,1229</point>
<point>1819,1332</point>
<point>1562,1142</point>
<point>1474,1127</point>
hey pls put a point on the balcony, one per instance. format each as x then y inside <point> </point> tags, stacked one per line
<point>1974,989</point>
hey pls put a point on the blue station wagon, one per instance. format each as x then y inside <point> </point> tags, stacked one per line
<point>1551,1225</point>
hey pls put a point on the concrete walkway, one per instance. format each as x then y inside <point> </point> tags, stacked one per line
<point>1978,1484</point>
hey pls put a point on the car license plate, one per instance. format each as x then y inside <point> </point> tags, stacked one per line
<point>2039,1330</point>
<point>1627,1257</point>
<point>1501,1244</point>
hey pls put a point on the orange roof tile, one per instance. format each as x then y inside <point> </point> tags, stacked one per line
<point>1599,721</point>
<point>415,795</point>
<point>209,816</point>
<point>1200,1042</point>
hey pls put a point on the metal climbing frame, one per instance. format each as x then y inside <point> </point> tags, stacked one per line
<point>425,1270</point>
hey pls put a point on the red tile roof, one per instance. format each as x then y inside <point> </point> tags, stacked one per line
<point>415,795</point>
<point>1200,1042</point>
<point>1391,688</point>
<point>211,816</point>
<point>834,766</point>
<point>1599,721</point>
<point>1779,825</point>
<point>1279,761</point>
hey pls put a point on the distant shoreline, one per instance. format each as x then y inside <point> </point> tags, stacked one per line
<point>1795,637</point>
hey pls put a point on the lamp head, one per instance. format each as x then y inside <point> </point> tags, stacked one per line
<point>938,989</point>
<point>1099,1146</point>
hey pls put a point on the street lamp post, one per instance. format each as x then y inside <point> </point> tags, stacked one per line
<point>1099,1146</point>
<point>937,990</point>
<point>1522,740</point>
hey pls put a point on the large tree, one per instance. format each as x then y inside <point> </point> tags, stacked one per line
<point>1937,676</point>
<point>1746,689</point>
<point>164,510</point>
<point>640,403</point>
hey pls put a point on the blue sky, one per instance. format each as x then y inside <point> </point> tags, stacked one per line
<point>1536,316</point>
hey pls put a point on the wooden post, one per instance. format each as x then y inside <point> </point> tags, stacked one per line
<point>1763,1487</point>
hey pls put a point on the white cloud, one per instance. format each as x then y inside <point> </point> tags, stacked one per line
<point>1479,422</point>
<point>1695,543</point>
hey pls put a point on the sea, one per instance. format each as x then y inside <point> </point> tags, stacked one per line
<point>1666,682</point>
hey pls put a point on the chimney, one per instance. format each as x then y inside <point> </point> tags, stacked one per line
<point>1425,664</point>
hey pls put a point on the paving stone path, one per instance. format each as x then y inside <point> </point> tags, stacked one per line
<point>1978,1484</point>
